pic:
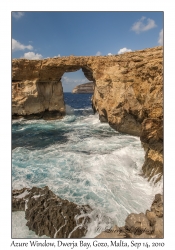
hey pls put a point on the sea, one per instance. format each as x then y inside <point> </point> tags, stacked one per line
<point>84,161</point>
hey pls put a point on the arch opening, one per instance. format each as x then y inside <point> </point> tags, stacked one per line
<point>70,79</point>
<point>38,94</point>
<point>77,91</point>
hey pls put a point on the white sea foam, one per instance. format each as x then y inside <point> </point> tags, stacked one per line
<point>19,228</point>
<point>22,195</point>
<point>69,110</point>
<point>95,165</point>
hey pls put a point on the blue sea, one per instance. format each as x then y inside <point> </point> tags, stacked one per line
<point>84,161</point>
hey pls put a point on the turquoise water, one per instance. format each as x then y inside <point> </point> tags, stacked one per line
<point>84,161</point>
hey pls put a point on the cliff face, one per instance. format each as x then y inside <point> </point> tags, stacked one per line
<point>37,99</point>
<point>128,93</point>
<point>84,88</point>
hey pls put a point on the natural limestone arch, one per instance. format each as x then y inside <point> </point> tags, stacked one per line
<point>128,94</point>
<point>37,90</point>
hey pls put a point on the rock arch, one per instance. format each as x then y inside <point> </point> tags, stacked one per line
<point>37,88</point>
<point>128,94</point>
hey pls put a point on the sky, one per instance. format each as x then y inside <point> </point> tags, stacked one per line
<point>39,35</point>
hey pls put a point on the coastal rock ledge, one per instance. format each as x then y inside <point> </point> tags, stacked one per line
<point>49,215</point>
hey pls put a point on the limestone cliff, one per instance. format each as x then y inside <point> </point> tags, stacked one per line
<point>37,99</point>
<point>128,94</point>
<point>84,88</point>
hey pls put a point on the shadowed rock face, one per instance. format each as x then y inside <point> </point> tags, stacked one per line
<point>48,214</point>
<point>128,94</point>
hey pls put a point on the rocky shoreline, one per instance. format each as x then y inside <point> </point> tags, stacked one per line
<point>148,225</point>
<point>48,214</point>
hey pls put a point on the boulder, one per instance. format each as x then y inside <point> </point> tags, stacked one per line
<point>157,205</point>
<point>138,224</point>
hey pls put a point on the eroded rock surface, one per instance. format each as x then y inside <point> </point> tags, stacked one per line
<point>148,225</point>
<point>37,99</point>
<point>129,96</point>
<point>49,215</point>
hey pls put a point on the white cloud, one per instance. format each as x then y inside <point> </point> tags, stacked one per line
<point>18,46</point>
<point>109,54</point>
<point>32,56</point>
<point>57,56</point>
<point>17,14</point>
<point>66,80</point>
<point>121,51</point>
<point>160,40</point>
<point>98,53</point>
<point>140,26</point>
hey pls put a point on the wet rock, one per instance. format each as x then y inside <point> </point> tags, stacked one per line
<point>157,205</point>
<point>19,199</point>
<point>48,214</point>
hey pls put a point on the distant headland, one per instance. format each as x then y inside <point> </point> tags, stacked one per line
<point>85,88</point>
